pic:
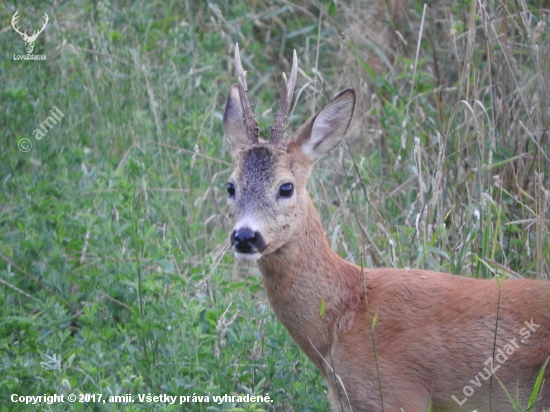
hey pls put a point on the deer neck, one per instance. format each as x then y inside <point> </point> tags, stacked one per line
<point>304,275</point>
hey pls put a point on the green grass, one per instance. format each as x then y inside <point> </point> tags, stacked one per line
<point>115,271</point>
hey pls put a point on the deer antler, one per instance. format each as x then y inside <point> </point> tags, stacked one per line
<point>14,22</point>
<point>25,36</point>
<point>36,33</point>
<point>287,89</point>
<point>250,124</point>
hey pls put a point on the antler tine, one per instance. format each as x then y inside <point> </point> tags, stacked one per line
<point>46,20</point>
<point>37,32</point>
<point>250,124</point>
<point>293,74</point>
<point>239,66</point>
<point>14,23</point>
<point>287,89</point>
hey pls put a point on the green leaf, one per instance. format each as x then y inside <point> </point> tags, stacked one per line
<point>332,8</point>
<point>510,398</point>
<point>260,386</point>
<point>167,266</point>
<point>374,320</point>
<point>439,252</point>
<point>536,388</point>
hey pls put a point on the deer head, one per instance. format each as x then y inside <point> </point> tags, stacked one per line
<point>266,192</point>
<point>29,40</point>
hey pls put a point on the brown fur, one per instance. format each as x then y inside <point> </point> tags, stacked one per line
<point>433,332</point>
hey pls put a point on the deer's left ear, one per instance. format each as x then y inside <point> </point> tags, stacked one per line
<point>233,123</point>
<point>322,133</point>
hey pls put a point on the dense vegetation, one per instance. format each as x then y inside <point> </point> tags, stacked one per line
<point>116,276</point>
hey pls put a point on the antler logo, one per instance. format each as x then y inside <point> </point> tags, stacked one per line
<point>29,40</point>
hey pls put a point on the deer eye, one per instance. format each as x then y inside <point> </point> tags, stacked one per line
<point>230,189</point>
<point>286,190</point>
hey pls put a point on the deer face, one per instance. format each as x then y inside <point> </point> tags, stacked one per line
<point>265,196</point>
<point>29,45</point>
<point>266,192</point>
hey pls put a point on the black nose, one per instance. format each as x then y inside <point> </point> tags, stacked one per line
<point>246,240</point>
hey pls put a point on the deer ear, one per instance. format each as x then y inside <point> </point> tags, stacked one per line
<point>233,123</point>
<point>322,133</point>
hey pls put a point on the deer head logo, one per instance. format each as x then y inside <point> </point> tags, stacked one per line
<point>29,40</point>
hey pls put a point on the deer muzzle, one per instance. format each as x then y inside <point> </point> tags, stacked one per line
<point>247,243</point>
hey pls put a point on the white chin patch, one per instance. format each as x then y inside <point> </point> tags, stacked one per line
<point>248,256</point>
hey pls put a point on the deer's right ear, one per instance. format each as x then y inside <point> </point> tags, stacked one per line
<point>233,123</point>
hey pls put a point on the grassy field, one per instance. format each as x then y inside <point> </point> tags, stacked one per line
<point>116,276</point>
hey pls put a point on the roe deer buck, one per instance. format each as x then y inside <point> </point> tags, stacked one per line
<point>435,335</point>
